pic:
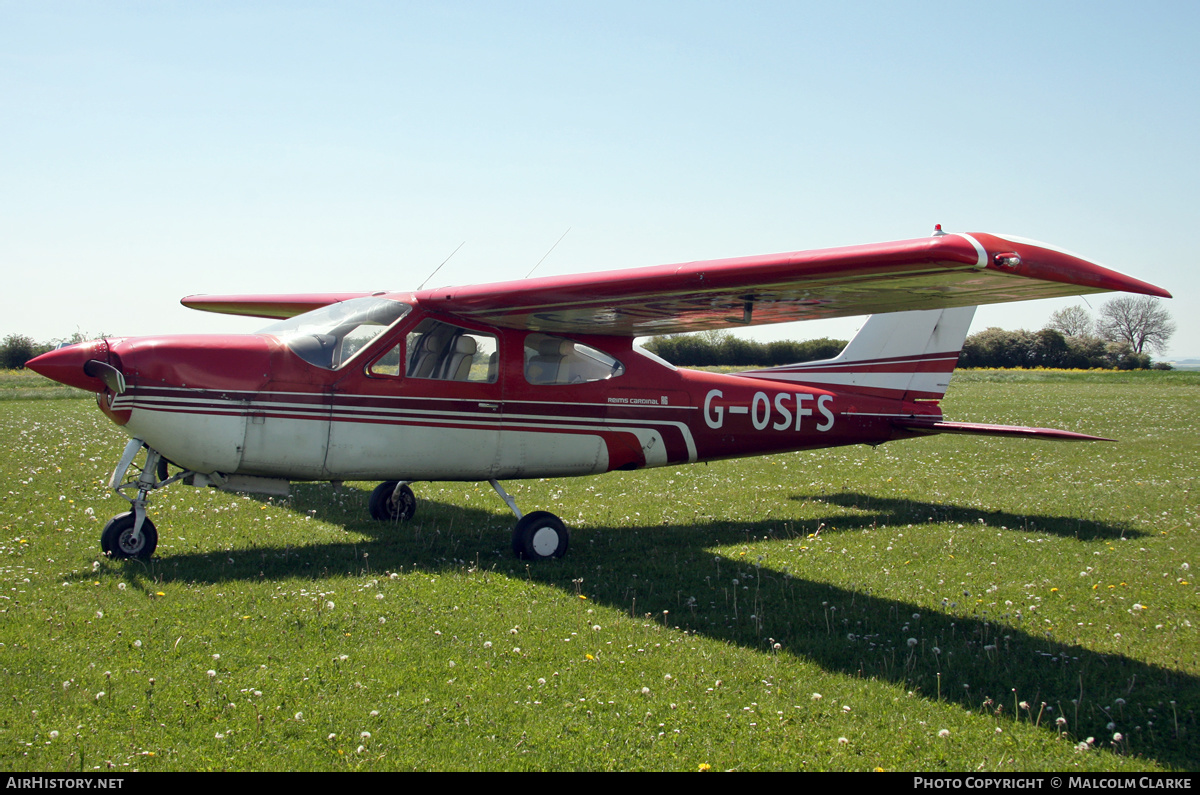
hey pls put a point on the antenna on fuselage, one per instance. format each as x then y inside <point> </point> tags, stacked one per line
<point>543,259</point>
<point>439,267</point>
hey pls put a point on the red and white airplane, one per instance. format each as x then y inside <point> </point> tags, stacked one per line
<point>541,377</point>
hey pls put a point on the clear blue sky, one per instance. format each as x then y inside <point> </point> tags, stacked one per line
<point>153,150</point>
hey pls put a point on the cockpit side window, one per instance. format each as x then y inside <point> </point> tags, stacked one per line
<point>440,351</point>
<point>555,360</point>
<point>330,336</point>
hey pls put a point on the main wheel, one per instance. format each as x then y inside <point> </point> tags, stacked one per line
<point>540,536</point>
<point>389,505</point>
<point>117,538</point>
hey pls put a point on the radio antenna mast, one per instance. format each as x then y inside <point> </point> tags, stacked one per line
<point>543,259</point>
<point>439,267</point>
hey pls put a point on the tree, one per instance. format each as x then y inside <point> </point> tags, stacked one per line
<point>1071,321</point>
<point>1138,320</point>
<point>16,350</point>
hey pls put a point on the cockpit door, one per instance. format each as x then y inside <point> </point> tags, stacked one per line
<point>424,405</point>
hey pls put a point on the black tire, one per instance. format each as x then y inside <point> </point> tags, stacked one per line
<point>117,542</point>
<point>389,505</point>
<point>540,536</point>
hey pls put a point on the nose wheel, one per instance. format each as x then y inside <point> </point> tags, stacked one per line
<point>120,542</point>
<point>132,534</point>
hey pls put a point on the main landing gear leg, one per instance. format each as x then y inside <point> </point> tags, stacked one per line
<point>132,534</point>
<point>539,535</point>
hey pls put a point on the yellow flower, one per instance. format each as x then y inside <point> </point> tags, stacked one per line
<point>590,657</point>
<point>581,596</point>
<point>705,767</point>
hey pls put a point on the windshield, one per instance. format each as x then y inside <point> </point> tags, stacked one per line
<point>328,337</point>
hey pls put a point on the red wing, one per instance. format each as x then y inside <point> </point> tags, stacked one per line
<point>929,273</point>
<point>271,306</point>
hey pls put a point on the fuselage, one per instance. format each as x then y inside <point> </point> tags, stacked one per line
<point>431,397</point>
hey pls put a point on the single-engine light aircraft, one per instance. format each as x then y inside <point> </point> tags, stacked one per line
<point>541,377</point>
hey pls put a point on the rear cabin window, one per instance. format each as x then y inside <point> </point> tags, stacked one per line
<point>555,360</point>
<point>442,352</point>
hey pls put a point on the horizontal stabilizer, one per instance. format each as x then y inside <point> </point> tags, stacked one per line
<point>983,429</point>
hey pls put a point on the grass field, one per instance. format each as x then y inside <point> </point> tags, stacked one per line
<point>951,603</point>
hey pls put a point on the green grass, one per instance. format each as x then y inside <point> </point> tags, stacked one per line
<point>28,385</point>
<point>1024,571</point>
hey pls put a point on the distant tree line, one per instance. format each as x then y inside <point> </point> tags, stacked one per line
<point>1121,338</point>
<point>721,348</point>
<point>1127,329</point>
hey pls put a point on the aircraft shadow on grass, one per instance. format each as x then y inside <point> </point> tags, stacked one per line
<point>982,663</point>
<point>891,511</point>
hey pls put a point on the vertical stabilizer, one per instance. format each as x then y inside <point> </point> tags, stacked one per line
<point>900,355</point>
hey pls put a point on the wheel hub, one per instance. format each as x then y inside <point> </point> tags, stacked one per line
<point>545,541</point>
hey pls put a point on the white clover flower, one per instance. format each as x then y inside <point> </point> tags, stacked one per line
<point>817,696</point>
<point>299,716</point>
<point>54,735</point>
<point>944,733</point>
<point>365,735</point>
<point>211,673</point>
<point>843,741</point>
